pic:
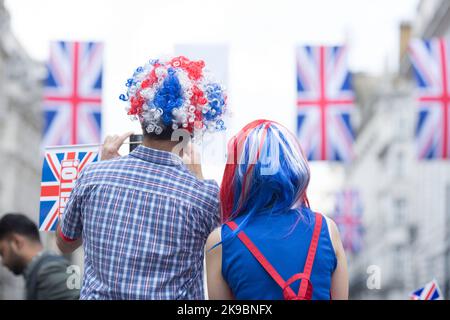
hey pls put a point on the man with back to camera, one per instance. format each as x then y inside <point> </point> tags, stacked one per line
<point>45,274</point>
<point>143,219</point>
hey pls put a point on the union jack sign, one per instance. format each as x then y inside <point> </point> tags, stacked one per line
<point>60,171</point>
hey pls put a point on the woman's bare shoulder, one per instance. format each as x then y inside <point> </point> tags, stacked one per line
<point>333,231</point>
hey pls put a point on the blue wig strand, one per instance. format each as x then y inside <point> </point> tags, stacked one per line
<point>278,180</point>
<point>169,96</point>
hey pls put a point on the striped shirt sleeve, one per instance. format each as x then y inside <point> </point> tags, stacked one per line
<point>71,223</point>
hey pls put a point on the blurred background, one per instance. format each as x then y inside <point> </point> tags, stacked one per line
<point>393,207</point>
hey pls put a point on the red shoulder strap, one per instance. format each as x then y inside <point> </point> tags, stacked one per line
<point>260,257</point>
<point>271,270</point>
<point>311,255</point>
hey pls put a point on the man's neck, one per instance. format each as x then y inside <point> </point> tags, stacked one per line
<point>164,145</point>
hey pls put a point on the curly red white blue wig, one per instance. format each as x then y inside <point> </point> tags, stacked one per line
<point>175,94</point>
<point>266,172</point>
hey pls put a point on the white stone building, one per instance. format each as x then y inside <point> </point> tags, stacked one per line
<point>20,136</point>
<point>406,201</point>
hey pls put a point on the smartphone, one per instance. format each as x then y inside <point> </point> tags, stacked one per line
<point>135,140</point>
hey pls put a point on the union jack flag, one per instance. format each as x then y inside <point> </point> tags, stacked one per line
<point>348,218</point>
<point>430,60</point>
<point>430,291</point>
<point>59,173</point>
<point>325,101</point>
<point>72,94</point>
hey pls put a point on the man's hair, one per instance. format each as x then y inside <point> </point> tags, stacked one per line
<point>20,224</point>
<point>166,134</point>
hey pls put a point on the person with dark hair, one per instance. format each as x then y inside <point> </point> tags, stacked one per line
<point>21,250</point>
<point>143,219</point>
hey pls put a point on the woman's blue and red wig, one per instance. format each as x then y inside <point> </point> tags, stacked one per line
<point>266,172</point>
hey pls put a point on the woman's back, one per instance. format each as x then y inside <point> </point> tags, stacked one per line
<point>285,244</point>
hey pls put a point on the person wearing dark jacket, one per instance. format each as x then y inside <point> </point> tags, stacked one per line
<point>21,251</point>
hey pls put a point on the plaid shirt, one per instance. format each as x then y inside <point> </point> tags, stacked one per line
<point>144,220</point>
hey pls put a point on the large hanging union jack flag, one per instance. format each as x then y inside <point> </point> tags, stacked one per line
<point>60,171</point>
<point>431,59</point>
<point>325,101</point>
<point>72,101</point>
<point>348,218</point>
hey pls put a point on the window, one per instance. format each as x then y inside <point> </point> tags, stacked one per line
<point>398,265</point>
<point>382,221</point>
<point>401,128</point>
<point>400,164</point>
<point>2,123</point>
<point>399,216</point>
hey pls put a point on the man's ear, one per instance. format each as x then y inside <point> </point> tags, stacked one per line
<point>17,241</point>
<point>2,243</point>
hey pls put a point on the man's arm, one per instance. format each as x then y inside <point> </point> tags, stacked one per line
<point>218,288</point>
<point>70,226</point>
<point>70,239</point>
<point>65,244</point>
<point>191,159</point>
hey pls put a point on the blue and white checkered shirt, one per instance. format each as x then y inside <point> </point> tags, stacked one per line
<point>144,220</point>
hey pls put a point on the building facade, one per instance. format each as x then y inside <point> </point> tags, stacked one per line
<point>20,136</point>
<point>406,200</point>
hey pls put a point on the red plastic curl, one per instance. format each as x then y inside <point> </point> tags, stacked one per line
<point>179,62</point>
<point>197,97</point>
<point>193,68</point>
<point>136,103</point>
<point>151,80</point>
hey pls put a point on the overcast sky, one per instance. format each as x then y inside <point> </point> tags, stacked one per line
<point>260,35</point>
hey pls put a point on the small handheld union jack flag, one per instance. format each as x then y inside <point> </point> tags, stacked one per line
<point>348,218</point>
<point>60,171</point>
<point>72,101</point>
<point>430,291</point>
<point>324,104</point>
<point>431,59</point>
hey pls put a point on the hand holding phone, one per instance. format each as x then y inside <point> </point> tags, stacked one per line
<point>191,158</point>
<point>111,146</point>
